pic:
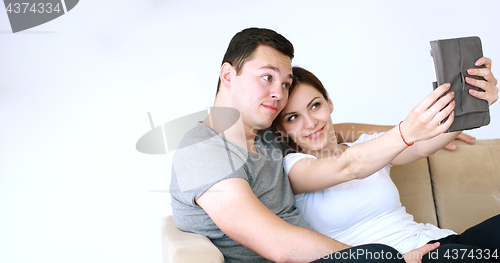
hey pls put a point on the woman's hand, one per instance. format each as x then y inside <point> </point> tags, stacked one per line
<point>489,85</point>
<point>425,120</point>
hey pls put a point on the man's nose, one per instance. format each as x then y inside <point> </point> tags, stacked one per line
<point>277,92</point>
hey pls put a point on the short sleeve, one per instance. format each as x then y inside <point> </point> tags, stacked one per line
<point>199,166</point>
<point>292,158</point>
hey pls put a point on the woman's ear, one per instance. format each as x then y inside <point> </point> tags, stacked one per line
<point>226,73</point>
<point>330,104</point>
<point>281,131</point>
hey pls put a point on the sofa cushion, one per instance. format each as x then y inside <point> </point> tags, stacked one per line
<point>466,184</point>
<point>414,186</point>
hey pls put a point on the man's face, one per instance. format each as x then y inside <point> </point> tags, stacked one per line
<point>260,91</point>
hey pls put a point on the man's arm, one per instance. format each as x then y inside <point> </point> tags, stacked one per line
<point>233,206</point>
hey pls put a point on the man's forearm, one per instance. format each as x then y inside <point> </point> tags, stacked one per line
<point>303,241</point>
<point>233,206</point>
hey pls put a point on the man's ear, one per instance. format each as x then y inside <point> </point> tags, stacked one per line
<point>226,74</point>
<point>330,104</point>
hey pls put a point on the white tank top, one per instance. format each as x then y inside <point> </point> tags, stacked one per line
<point>363,211</point>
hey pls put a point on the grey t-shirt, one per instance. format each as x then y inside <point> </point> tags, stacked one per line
<point>205,158</point>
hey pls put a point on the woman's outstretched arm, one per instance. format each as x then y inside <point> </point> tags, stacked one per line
<point>362,160</point>
<point>350,132</point>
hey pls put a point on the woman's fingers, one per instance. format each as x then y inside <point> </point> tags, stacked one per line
<point>489,85</point>
<point>424,121</point>
<point>446,125</point>
<point>447,112</point>
<point>442,114</point>
<point>483,61</point>
<point>477,83</point>
<point>431,99</point>
<point>441,103</point>
<point>485,73</point>
<point>490,92</point>
<point>490,97</point>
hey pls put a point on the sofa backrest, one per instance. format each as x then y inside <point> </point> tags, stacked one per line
<point>452,189</point>
<point>466,184</point>
<point>414,185</point>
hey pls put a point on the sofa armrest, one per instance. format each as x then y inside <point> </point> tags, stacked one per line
<point>182,247</point>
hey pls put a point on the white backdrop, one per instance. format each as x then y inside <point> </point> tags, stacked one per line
<point>75,92</point>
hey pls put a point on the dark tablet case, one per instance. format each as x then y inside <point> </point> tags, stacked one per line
<point>452,58</point>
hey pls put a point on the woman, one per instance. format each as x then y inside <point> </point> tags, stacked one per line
<point>369,210</point>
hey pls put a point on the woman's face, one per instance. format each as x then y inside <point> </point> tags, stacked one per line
<point>306,118</point>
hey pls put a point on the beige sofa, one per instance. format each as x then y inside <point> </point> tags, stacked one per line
<point>453,190</point>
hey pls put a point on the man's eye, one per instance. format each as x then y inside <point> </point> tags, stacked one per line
<point>268,78</point>
<point>292,118</point>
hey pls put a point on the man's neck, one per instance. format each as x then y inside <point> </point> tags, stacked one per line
<point>227,122</point>
<point>250,139</point>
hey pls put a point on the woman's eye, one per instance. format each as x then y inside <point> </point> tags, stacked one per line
<point>286,85</point>
<point>292,118</point>
<point>315,105</point>
<point>268,78</point>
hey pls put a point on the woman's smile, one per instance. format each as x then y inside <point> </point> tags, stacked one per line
<point>316,134</point>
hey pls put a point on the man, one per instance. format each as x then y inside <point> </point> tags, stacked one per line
<point>247,209</point>
<point>227,178</point>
